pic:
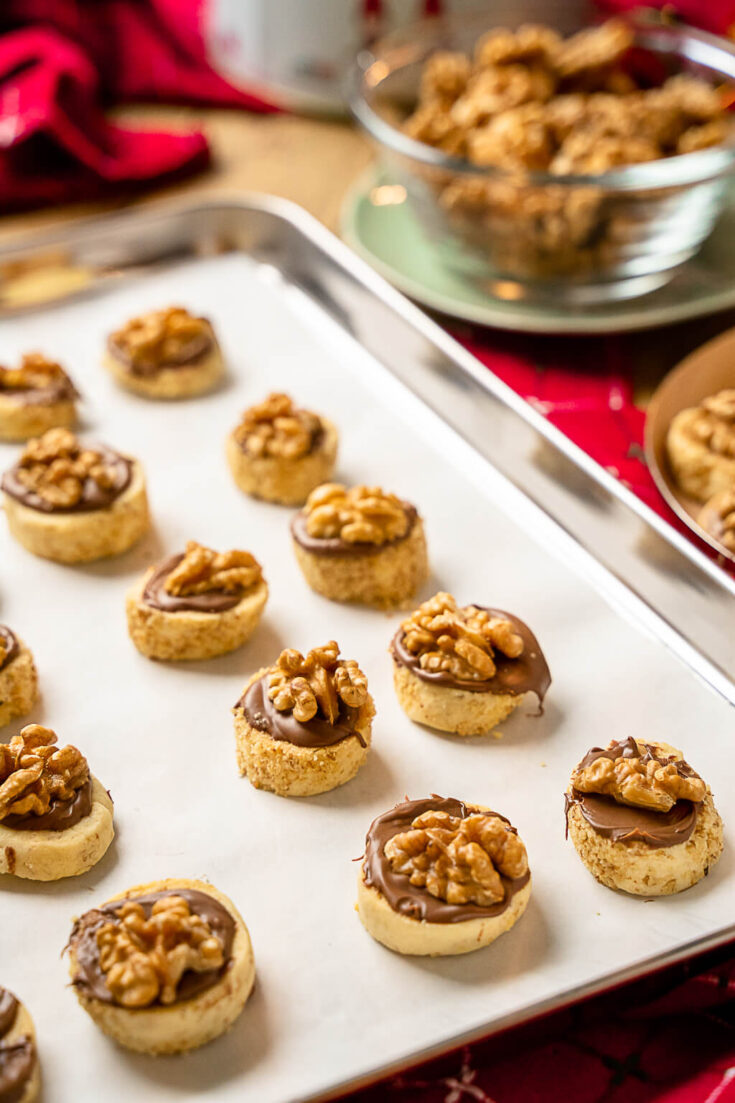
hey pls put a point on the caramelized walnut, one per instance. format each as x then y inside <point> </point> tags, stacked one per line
<point>532,42</point>
<point>34,772</point>
<point>715,423</point>
<point>641,781</point>
<point>459,640</point>
<point>445,75</point>
<point>203,570</point>
<point>459,860</point>
<point>161,337</point>
<point>143,959</point>
<point>37,373</point>
<point>362,515</point>
<point>56,467</point>
<point>277,428</point>
<point>717,517</point>
<point>316,683</point>
<point>593,49</point>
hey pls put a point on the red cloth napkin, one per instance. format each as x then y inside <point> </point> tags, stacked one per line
<point>63,61</point>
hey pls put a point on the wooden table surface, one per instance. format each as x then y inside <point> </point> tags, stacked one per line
<point>313,162</point>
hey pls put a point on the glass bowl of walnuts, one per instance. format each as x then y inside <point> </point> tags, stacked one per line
<point>570,163</point>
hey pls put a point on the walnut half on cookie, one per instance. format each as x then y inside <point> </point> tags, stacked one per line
<point>441,877</point>
<point>20,1071</point>
<point>360,545</point>
<point>164,967</point>
<point>642,820</point>
<point>700,445</point>
<point>72,502</point>
<point>464,669</point>
<point>18,678</point>
<point>196,605</point>
<point>165,354</point>
<point>34,397</point>
<point>303,726</point>
<point>55,817</point>
<point>279,452</point>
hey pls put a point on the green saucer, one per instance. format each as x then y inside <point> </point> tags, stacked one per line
<point>379,225</point>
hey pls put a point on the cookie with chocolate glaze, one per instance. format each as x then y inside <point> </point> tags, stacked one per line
<point>464,669</point>
<point>642,820</point>
<point>35,397</point>
<point>279,452</point>
<point>72,502</point>
<point>20,1070</point>
<point>165,354</point>
<point>360,545</point>
<point>163,967</point>
<point>55,816</point>
<point>303,726</point>
<point>441,877</point>
<point>196,605</point>
<point>18,677</point>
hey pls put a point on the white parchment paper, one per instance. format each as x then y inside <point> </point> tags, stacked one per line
<point>330,1003</point>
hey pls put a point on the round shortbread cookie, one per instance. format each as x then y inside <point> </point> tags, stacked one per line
<point>20,421</point>
<point>445,708</point>
<point>292,771</point>
<point>634,867</point>
<point>386,577</point>
<point>184,381</point>
<point>189,635</point>
<point>52,855</point>
<point>189,1023</point>
<point>286,481</point>
<point>84,536</point>
<point>23,1027</point>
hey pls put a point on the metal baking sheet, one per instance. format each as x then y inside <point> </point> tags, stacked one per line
<point>331,1007</point>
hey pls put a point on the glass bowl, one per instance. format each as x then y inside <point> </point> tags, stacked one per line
<point>532,234</point>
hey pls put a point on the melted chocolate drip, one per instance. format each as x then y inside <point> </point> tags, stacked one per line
<point>625,822</point>
<point>11,645</point>
<point>61,813</point>
<point>408,899</point>
<point>261,713</point>
<point>528,673</point>
<point>93,496</point>
<point>157,596</point>
<point>335,545</point>
<point>90,979</point>
<point>195,349</point>
<point>17,1058</point>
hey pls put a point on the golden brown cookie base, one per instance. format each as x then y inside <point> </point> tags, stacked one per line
<point>18,686</point>
<point>188,635</point>
<point>83,537</point>
<point>191,1023</point>
<point>186,381</point>
<point>21,421</point>
<point>451,710</point>
<point>699,472</point>
<point>291,771</point>
<point>386,577</point>
<point>53,855</point>
<point>418,937</point>
<point>642,870</point>
<point>288,482</point>
<point>23,1027</point>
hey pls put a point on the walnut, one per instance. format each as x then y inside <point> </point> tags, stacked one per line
<point>162,337</point>
<point>532,42</point>
<point>144,959</point>
<point>519,137</point>
<point>459,860</point>
<point>498,89</point>
<point>202,570</point>
<point>591,153</point>
<point>56,467</point>
<point>459,640</point>
<point>694,97</point>
<point>316,683</point>
<point>445,75</point>
<point>4,650</point>
<point>36,372</point>
<point>703,137</point>
<point>593,49</point>
<point>432,124</point>
<point>717,517</point>
<point>714,425</point>
<point>643,784</point>
<point>277,428</point>
<point>34,772</point>
<point>362,515</point>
